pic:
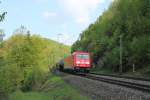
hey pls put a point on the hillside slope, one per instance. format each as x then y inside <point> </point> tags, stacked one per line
<point>26,60</point>
<point>125,23</point>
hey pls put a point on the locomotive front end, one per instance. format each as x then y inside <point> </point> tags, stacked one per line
<point>82,60</point>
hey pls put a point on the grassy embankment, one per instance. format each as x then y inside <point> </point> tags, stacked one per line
<point>143,72</point>
<point>53,89</point>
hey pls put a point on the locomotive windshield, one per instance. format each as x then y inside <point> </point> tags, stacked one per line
<point>83,56</point>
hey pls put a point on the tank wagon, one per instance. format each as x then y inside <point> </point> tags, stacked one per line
<point>78,61</point>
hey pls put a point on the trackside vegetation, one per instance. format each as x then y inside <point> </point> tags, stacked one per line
<point>127,21</point>
<point>26,65</point>
<point>53,89</point>
<point>26,60</point>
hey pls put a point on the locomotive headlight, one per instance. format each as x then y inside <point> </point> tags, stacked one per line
<point>78,62</point>
<point>87,62</point>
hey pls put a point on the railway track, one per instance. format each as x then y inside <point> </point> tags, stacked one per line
<point>129,82</point>
<point>125,77</point>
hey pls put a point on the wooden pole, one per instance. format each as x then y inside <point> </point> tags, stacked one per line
<point>121,67</point>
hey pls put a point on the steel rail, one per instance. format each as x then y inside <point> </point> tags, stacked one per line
<point>128,84</point>
<point>137,86</point>
<point>125,77</point>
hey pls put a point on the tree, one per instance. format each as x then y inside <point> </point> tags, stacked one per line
<point>2,16</point>
<point>102,37</point>
<point>25,60</point>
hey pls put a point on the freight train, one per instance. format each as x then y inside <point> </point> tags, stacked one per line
<point>78,61</point>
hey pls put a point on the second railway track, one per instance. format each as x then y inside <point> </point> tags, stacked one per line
<point>134,83</point>
<point>129,84</point>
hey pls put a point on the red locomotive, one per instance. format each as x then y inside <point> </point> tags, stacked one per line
<point>77,61</point>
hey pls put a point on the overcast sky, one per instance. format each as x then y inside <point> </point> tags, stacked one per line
<point>52,17</point>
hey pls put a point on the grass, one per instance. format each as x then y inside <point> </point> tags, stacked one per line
<point>29,96</point>
<point>102,70</point>
<point>142,72</point>
<point>53,89</point>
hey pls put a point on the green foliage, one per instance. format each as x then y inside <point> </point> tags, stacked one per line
<point>26,60</point>
<point>53,89</point>
<point>2,15</point>
<point>130,18</point>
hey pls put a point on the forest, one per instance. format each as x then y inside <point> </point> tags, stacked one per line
<point>125,28</point>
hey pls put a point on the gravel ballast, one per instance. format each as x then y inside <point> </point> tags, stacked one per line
<point>98,90</point>
<point>125,79</point>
